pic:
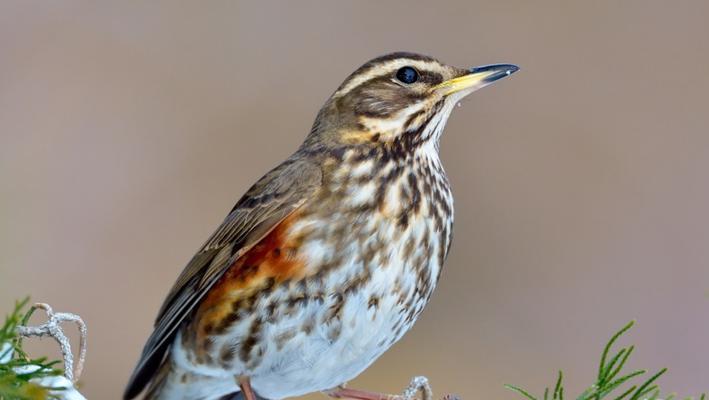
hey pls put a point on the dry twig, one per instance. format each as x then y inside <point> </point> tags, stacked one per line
<point>53,329</point>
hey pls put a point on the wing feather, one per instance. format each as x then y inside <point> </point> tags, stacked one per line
<point>275,196</point>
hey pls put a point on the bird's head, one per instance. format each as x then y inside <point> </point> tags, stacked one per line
<point>398,97</point>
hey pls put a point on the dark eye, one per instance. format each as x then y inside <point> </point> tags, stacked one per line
<point>407,75</point>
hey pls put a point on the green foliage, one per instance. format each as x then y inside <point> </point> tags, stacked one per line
<point>14,385</point>
<point>610,379</point>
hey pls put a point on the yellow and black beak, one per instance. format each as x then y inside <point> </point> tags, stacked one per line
<point>476,78</point>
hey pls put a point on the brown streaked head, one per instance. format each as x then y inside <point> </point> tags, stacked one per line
<point>396,95</point>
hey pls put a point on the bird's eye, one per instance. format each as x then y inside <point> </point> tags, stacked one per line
<point>407,75</point>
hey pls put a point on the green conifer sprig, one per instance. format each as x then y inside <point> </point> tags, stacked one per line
<point>16,385</point>
<point>610,379</point>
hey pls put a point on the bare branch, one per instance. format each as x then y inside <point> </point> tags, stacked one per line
<point>53,329</point>
<point>418,384</point>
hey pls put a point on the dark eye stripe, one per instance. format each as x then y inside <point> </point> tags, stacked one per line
<point>431,77</point>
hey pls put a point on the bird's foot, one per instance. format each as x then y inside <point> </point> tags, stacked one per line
<point>419,384</point>
<point>356,394</point>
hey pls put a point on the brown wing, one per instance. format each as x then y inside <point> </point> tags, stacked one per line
<point>268,202</point>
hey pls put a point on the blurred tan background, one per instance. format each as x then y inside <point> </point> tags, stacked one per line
<point>129,129</point>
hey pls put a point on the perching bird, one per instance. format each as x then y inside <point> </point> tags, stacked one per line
<point>330,257</point>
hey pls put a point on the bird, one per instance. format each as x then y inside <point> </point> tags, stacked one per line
<point>330,257</point>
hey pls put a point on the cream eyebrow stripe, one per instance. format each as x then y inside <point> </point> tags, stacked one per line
<point>385,68</point>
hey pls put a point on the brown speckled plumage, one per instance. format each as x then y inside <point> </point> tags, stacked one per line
<point>330,257</point>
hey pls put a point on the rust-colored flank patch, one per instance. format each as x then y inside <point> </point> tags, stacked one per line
<point>272,260</point>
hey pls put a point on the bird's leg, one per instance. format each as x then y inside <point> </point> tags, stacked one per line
<point>245,385</point>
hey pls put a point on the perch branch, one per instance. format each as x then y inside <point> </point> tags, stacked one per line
<point>418,384</point>
<point>53,329</point>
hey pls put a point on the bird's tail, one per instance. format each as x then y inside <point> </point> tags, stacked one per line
<point>160,380</point>
<point>172,382</point>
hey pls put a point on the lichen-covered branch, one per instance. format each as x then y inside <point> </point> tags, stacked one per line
<point>53,329</point>
<point>26,378</point>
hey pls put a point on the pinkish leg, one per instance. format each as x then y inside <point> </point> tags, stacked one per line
<point>245,385</point>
